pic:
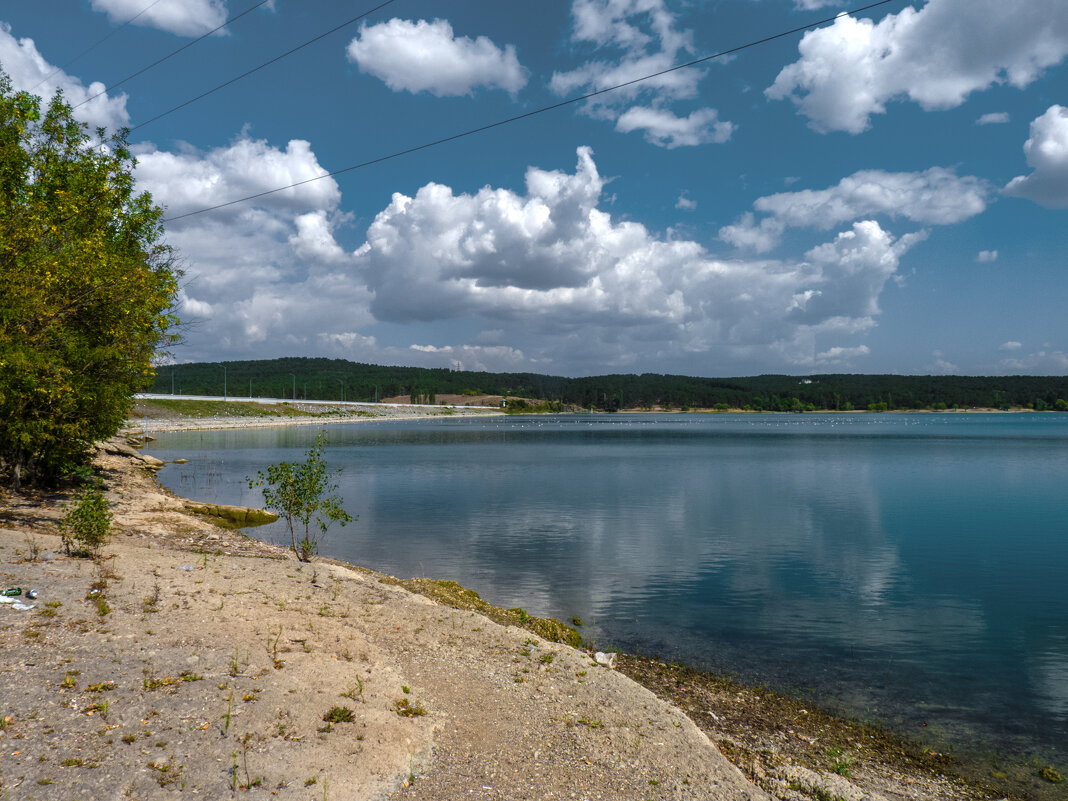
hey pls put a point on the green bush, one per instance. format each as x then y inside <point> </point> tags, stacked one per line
<point>86,525</point>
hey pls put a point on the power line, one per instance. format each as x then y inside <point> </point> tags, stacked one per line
<point>172,53</point>
<point>535,112</point>
<point>264,64</point>
<point>97,44</point>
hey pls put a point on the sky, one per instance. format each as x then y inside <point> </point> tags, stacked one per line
<point>885,192</point>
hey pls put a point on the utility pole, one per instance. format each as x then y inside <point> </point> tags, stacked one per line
<point>294,385</point>
<point>224,382</point>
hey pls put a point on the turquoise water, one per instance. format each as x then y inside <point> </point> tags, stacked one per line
<point>907,568</point>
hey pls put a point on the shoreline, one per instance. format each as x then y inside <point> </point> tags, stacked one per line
<point>778,744</point>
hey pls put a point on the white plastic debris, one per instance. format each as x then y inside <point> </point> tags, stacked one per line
<point>605,660</point>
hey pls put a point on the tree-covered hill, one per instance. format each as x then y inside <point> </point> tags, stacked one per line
<point>330,379</point>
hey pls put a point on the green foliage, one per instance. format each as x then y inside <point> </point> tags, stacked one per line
<point>87,525</point>
<point>86,287</point>
<point>323,380</point>
<point>339,714</point>
<point>301,493</point>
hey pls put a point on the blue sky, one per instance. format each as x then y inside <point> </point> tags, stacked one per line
<point>884,193</point>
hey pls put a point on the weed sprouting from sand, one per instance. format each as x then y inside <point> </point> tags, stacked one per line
<point>841,762</point>
<point>272,648</point>
<point>339,714</point>
<point>407,709</point>
<point>235,663</point>
<point>355,692</point>
<point>250,782</point>
<point>151,601</point>
<point>228,713</point>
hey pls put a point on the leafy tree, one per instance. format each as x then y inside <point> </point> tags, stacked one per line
<point>301,493</point>
<point>86,287</point>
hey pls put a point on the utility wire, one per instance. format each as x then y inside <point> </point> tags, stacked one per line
<point>535,112</point>
<point>97,44</point>
<point>171,54</point>
<point>264,64</point>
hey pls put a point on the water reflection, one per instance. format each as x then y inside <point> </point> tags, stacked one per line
<point>910,566</point>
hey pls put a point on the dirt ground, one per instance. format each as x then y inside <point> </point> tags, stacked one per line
<point>191,659</point>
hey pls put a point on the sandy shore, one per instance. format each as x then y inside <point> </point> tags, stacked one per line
<point>193,659</point>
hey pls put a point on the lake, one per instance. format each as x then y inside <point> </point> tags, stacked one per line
<point>906,568</point>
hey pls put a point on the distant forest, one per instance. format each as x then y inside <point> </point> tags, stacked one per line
<point>337,379</point>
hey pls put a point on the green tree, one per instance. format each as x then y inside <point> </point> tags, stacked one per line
<point>86,287</point>
<point>301,493</point>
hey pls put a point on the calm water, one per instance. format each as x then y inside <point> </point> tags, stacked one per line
<point>908,568</point>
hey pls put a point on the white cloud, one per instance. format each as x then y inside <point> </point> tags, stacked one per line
<point>941,366</point>
<point>840,355</point>
<point>663,128</point>
<point>936,57</point>
<point>646,39</point>
<point>1011,345</point>
<point>267,271</point>
<point>748,234</point>
<point>571,286</point>
<point>29,71</point>
<point>936,196</point>
<point>685,203</point>
<point>987,256</point>
<point>1042,362</point>
<point>426,57</point>
<point>189,180</point>
<point>994,118</point>
<point>1047,155</point>
<point>181,17</point>
<point>544,279</point>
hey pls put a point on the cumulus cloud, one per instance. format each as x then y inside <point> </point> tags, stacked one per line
<point>562,276</point>
<point>29,71</point>
<point>935,56</point>
<point>663,128</point>
<point>541,279</point>
<point>189,179</point>
<point>994,118</point>
<point>181,17</point>
<point>1047,155</point>
<point>987,256</point>
<point>936,196</point>
<point>268,272</point>
<point>427,57</point>
<point>685,203</point>
<point>645,38</point>
<point>1011,345</point>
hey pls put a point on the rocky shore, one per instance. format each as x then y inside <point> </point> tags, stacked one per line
<point>190,658</point>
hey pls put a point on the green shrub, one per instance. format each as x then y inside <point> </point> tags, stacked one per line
<point>86,525</point>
